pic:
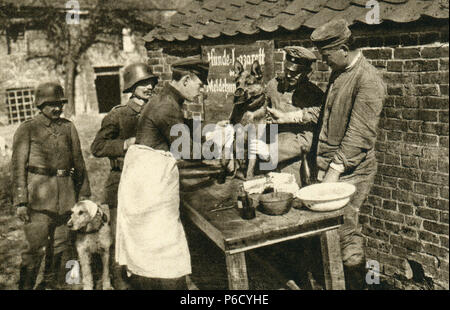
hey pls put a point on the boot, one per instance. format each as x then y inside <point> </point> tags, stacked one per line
<point>119,277</point>
<point>28,277</point>
<point>52,273</point>
<point>355,277</point>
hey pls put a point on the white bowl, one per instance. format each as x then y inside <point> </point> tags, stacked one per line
<point>326,196</point>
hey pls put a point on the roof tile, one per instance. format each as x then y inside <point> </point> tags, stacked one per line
<point>213,18</point>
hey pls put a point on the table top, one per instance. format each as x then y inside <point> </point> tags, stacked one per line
<point>232,233</point>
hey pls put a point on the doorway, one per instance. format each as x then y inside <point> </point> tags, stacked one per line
<point>107,85</point>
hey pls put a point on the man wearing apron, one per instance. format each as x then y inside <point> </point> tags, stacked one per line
<point>150,239</point>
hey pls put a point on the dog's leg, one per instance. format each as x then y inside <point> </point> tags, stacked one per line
<point>106,279</point>
<point>85,261</point>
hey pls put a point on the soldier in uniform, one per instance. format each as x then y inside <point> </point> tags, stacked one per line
<point>295,99</point>
<point>117,134</point>
<point>49,177</point>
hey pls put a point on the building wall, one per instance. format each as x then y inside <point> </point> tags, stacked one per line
<point>405,219</point>
<point>18,71</point>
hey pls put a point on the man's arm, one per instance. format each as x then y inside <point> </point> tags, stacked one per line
<point>19,163</point>
<point>81,179</point>
<point>107,142</point>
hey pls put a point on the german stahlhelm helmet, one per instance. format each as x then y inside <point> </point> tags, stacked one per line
<point>49,92</point>
<point>135,73</point>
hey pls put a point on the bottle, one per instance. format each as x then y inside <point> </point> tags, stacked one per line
<point>247,211</point>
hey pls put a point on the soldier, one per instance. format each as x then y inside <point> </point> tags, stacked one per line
<point>117,134</point>
<point>49,177</point>
<point>151,240</point>
<point>295,100</point>
<point>348,131</point>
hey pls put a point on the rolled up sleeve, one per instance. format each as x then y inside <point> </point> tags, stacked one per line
<point>361,132</point>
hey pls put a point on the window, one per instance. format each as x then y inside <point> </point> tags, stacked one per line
<point>19,103</point>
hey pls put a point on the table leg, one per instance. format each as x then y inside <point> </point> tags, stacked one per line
<point>332,260</point>
<point>237,271</point>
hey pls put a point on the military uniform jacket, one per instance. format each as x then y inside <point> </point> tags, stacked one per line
<point>306,96</point>
<point>117,126</point>
<point>350,118</point>
<point>43,143</point>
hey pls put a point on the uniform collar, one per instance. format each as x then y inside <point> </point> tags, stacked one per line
<point>175,94</point>
<point>44,119</point>
<point>136,107</point>
<point>354,61</point>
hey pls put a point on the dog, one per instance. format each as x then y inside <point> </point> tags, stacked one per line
<point>249,107</point>
<point>93,235</point>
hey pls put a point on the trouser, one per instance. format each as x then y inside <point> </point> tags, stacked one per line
<point>45,230</point>
<point>144,283</point>
<point>119,281</point>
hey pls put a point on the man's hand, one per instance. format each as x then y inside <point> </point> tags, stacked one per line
<point>279,117</point>
<point>129,142</point>
<point>22,213</point>
<point>331,175</point>
<point>258,147</point>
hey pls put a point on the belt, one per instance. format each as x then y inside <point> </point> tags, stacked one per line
<point>50,171</point>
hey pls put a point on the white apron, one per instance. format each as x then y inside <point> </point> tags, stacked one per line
<point>150,238</point>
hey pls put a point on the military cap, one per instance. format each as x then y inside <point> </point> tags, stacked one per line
<point>331,34</point>
<point>195,65</point>
<point>297,57</point>
<point>49,92</point>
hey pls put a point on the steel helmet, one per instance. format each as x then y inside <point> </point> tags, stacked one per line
<point>49,92</point>
<point>135,73</point>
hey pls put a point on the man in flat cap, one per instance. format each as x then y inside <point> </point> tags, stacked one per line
<point>296,104</point>
<point>49,176</point>
<point>117,134</point>
<point>348,131</point>
<point>151,241</point>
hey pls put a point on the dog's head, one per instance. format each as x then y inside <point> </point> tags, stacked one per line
<point>249,84</point>
<point>86,213</point>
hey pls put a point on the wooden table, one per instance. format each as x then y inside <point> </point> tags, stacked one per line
<point>234,236</point>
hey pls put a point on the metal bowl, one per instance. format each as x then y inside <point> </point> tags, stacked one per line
<point>275,203</point>
<point>326,196</point>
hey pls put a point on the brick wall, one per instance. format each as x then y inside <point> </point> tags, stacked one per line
<point>405,219</point>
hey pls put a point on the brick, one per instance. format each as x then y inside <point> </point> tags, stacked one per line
<point>421,139</point>
<point>388,215</point>
<point>392,227</point>
<point>158,69</point>
<point>420,65</point>
<point>426,189</point>
<point>380,64</point>
<point>389,102</point>
<point>444,242</point>
<point>393,75</point>
<point>439,204</point>
<point>424,90</point>
<point>435,178</point>
<point>434,77</point>
<point>443,142</point>
<point>366,209</point>
<point>413,221</point>
<point>443,64</point>
<point>155,53</point>
<point>442,165</point>
<point>374,233</point>
<point>437,228</point>
<point>395,66</point>
<point>389,181</point>
<point>435,250</point>
<point>390,205</point>
<point>443,116</point>
<point>410,161</point>
<point>393,124</point>
<point>444,90</point>
<point>392,159</point>
<point>435,52</point>
<point>378,180</point>
<point>376,223</point>
<point>407,53</point>
<point>405,209</point>
<point>400,172</point>
<point>154,61</point>
<point>374,200</point>
<point>394,90</point>
<point>423,115</point>
<point>444,217</point>
<point>408,232</point>
<point>381,191</point>
<point>380,159</point>
<point>435,128</point>
<point>392,40</point>
<point>412,150</point>
<point>406,102</point>
<point>399,251</point>
<point>429,214</point>
<point>428,37</point>
<point>444,192</point>
<point>434,152</point>
<point>393,113</point>
<point>405,184</point>
<point>428,164</point>
<point>415,126</point>
<point>428,237</point>
<point>394,136</point>
<point>406,243</point>
<point>363,219</point>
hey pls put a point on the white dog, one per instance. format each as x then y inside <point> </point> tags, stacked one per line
<point>91,222</point>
